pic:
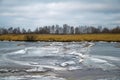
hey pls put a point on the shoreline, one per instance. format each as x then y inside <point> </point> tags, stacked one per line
<point>57,41</point>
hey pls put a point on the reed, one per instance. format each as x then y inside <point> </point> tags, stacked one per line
<point>66,38</point>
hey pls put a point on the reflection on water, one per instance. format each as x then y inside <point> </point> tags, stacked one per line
<point>42,57</point>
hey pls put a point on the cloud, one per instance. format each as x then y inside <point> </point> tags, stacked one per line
<point>73,12</point>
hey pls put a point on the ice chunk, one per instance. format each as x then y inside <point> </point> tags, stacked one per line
<point>67,63</point>
<point>37,69</point>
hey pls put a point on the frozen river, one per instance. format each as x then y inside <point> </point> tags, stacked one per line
<point>59,61</point>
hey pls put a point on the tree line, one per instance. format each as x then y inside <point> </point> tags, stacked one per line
<point>65,29</point>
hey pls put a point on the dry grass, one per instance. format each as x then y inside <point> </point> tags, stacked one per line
<point>48,37</point>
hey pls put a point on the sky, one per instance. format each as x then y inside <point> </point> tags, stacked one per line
<point>34,13</point>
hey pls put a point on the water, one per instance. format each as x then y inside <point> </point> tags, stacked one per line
<point>58,60</point>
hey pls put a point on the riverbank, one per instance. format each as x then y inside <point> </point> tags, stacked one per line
<point>61,38</point>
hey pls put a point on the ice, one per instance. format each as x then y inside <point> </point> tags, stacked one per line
<point>81,56</point>
<point>37,69</point>
<point>60,56</point>
<point>20,52</point>
<point>108,57</point>
<point>74,68</point>
<point>42,51</point>
<point>96,60</point>
<point>51,67</point>
<point>109,78</point>
<point>67,63</point>
<point>64,55</point>
<point>99,63</point>
<point>31,77</point>
<point>56,44</point>
<point>102,42</point>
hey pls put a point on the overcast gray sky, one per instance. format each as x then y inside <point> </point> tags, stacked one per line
<point>32,13</point>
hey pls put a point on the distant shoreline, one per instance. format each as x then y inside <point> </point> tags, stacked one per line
<point>61,38</point>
